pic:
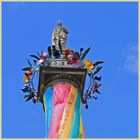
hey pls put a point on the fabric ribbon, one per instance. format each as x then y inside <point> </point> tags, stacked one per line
<point>62,104</point>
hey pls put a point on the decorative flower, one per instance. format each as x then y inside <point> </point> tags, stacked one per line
<point>78,62</point>
<point>70,62</point>
<point>34,99</point>
<point>95,87</point>
<point>67,52</point>
<point>43,58</point>
<point>83,100</point>
<point>26,79</point>
<point>76,56</point>
<point>75,60</point>
<point>89,65</point>
<point>26,88</point>
<point>41,61</point>
<point>44,55</point>
<point>97,78</point>
<point>28,73</point>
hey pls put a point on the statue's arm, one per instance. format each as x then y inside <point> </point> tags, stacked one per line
<point>53,37</point>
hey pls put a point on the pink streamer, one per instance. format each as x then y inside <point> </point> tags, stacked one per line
<point>60,95</point>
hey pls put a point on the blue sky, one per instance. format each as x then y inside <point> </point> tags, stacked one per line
<point>111,29</point>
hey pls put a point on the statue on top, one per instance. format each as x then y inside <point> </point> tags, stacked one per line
<point>59,36</point>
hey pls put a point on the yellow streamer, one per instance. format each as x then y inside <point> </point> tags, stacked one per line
<point>81,129</point>
<point>67,117</point>
<point>44,103</point>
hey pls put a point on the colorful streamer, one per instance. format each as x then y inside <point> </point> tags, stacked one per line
<point>62,111</point>
<point>67,118</point>
<point>48,98</point>
<point>76,119</point>
<point>61,93</point>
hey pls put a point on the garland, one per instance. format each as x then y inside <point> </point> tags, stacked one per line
<point>42,59</point>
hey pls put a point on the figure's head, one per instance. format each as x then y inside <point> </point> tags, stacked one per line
<point>59,23</point>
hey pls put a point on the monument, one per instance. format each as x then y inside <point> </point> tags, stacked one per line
<point>59,36</point>
<point>62,72</point>
<point>60,88</point>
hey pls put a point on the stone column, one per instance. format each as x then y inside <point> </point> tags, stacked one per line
<point>60,91</point>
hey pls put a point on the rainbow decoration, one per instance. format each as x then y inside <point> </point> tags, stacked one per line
<point>62,105</point>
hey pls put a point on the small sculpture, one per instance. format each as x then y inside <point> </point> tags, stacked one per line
<point>59,36</point>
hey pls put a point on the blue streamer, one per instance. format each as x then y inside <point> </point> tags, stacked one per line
<point>49,109</point>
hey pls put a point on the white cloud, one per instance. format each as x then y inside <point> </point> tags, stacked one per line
<point>130,59</point>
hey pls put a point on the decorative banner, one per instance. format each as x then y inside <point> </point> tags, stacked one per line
<point>60,96</point>
<point>81,129</point>
<point>62,111</point>
<point>48,106</point>
<point>76,119</point>
<point>67,118</point>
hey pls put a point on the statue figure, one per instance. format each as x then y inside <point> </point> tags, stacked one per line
<point>59,36</point>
